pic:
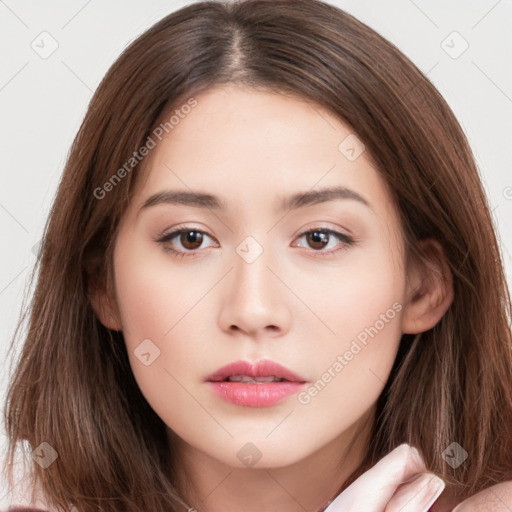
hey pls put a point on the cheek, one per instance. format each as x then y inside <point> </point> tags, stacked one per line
<point>156,305</point>
<point>358,294</point>
<point>363,308</point>
<point>163,314</point>
<point>155,295</point>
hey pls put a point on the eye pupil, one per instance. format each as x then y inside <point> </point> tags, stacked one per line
<point>318,237</point>
<point>191,237</point>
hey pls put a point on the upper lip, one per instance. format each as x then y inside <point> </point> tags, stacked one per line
<point>262,368</point>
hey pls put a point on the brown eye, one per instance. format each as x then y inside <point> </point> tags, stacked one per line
<point>184,241</point>
<point>317,239</point>
<point>191,239</point>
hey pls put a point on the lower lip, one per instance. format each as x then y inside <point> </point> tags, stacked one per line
<point>255,395</point>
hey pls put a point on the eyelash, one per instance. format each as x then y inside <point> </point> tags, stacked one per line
<point>347,240</point>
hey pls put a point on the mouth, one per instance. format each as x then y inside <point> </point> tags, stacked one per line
<point>254,380</point>
<point>260,384</point>
<point>261,372</point>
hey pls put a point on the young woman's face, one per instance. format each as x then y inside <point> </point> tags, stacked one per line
<point>248,283</point>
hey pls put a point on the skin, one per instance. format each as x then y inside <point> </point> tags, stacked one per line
<point>291,305</point>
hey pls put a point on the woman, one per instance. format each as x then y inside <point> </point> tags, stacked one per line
<point>270,265</point>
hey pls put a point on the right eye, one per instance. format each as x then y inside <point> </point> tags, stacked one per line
<point>190,239</point>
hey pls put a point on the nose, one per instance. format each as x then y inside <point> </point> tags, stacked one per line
<point>254,299</point>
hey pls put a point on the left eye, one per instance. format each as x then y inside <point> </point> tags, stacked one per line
<point>192,239</point>
<point>319,238</point>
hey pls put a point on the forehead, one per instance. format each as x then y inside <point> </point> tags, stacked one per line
<point>252,145</point>
<point>266,123</point>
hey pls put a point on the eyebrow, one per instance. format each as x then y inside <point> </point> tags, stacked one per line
<point>292,202</point>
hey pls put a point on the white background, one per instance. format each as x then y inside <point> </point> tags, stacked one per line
<point>42,102</point>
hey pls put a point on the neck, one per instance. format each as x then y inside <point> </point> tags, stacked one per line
<point>310,484</point>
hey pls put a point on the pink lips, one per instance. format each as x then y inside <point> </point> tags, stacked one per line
<point>255,394</point>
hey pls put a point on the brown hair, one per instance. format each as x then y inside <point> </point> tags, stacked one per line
<point>73,387</point>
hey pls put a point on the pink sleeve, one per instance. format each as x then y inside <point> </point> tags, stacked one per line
<point>24,509</point>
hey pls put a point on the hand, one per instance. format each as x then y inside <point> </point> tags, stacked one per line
<point>497,498</point>
<point>398,482</point>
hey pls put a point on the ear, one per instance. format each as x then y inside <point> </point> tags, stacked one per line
<point>105,306</point>
<point>429,290</point>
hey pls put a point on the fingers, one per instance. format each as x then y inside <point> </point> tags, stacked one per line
<point>375,490</point>
<point>416,495</point>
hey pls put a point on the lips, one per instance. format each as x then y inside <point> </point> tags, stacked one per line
<point>260,384</point>
<point>264,371</point>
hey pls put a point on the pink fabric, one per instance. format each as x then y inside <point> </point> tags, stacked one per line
<point>24,509</point>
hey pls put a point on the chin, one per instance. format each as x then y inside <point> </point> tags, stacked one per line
<point>261,453</point>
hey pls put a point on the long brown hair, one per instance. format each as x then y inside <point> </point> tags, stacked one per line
<point>73,387</point>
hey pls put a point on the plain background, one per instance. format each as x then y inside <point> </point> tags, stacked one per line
<point>44,98</point>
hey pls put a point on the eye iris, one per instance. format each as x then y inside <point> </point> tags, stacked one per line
<point>318,237</point>
<point>191,237</point>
